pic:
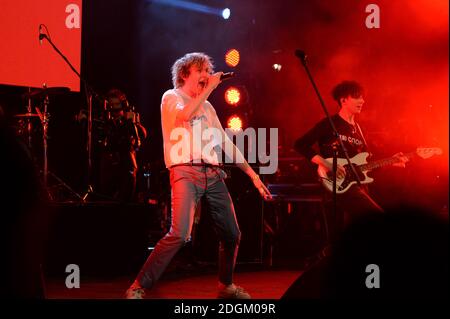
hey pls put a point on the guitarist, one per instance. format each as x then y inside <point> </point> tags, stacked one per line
<point>317,145</point>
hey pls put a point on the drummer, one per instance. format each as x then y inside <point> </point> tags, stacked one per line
<point>123,134</point>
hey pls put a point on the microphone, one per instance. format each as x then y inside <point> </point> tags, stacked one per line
<point>226,76</point>
<point>301,55</point>
<point>41,35</point>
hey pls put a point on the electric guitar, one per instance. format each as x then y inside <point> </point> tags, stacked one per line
<point>359,162</point>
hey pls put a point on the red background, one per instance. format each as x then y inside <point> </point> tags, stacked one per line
<point>24,62</point>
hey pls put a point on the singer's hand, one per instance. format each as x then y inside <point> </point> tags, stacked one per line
<point>263,191</point>
<point>214,80</point>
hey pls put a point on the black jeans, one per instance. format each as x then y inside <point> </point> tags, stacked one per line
<point>353,204</point>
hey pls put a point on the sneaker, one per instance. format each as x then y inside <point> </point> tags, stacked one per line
<point>135,293</point>
<point>233,292</point>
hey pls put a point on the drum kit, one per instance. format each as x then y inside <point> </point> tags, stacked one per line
<point>32,128</point>
<point>27,129</point>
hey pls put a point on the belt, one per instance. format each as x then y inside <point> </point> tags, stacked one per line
<point>202,164</point>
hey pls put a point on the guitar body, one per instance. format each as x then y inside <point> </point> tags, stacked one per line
<point>343,184</point>
<point>359,162</point>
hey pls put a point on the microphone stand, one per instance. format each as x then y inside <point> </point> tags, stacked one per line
<point>90,93</point>
<point>302,56</point>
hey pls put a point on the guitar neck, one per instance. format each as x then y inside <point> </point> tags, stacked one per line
<point>384,162</point>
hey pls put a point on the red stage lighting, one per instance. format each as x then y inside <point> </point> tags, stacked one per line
<point>234,123</point>
<point>232,58</point>
<point>232,96</point>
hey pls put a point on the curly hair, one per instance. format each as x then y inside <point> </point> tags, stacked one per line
<point>346,89</point>
<point>182,66</point>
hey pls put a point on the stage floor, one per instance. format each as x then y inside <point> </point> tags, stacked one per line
<point>265,284</point>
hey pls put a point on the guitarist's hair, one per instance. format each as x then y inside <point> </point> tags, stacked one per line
<point>346,89</point>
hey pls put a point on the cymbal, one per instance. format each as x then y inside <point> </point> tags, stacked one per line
<point>39,93</point>
<point>27,115</point>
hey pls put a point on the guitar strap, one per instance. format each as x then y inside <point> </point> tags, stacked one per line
<point>362,135</point>
<point>363,188</point>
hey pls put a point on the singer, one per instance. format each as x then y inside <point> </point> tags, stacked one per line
<point>193,177</point>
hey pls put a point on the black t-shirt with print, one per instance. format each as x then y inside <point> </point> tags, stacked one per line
<point>321,136</point>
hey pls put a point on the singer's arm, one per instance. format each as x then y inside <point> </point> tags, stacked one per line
<point>191,108</point>
<point>240,162</point>
<point>234,153</point>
